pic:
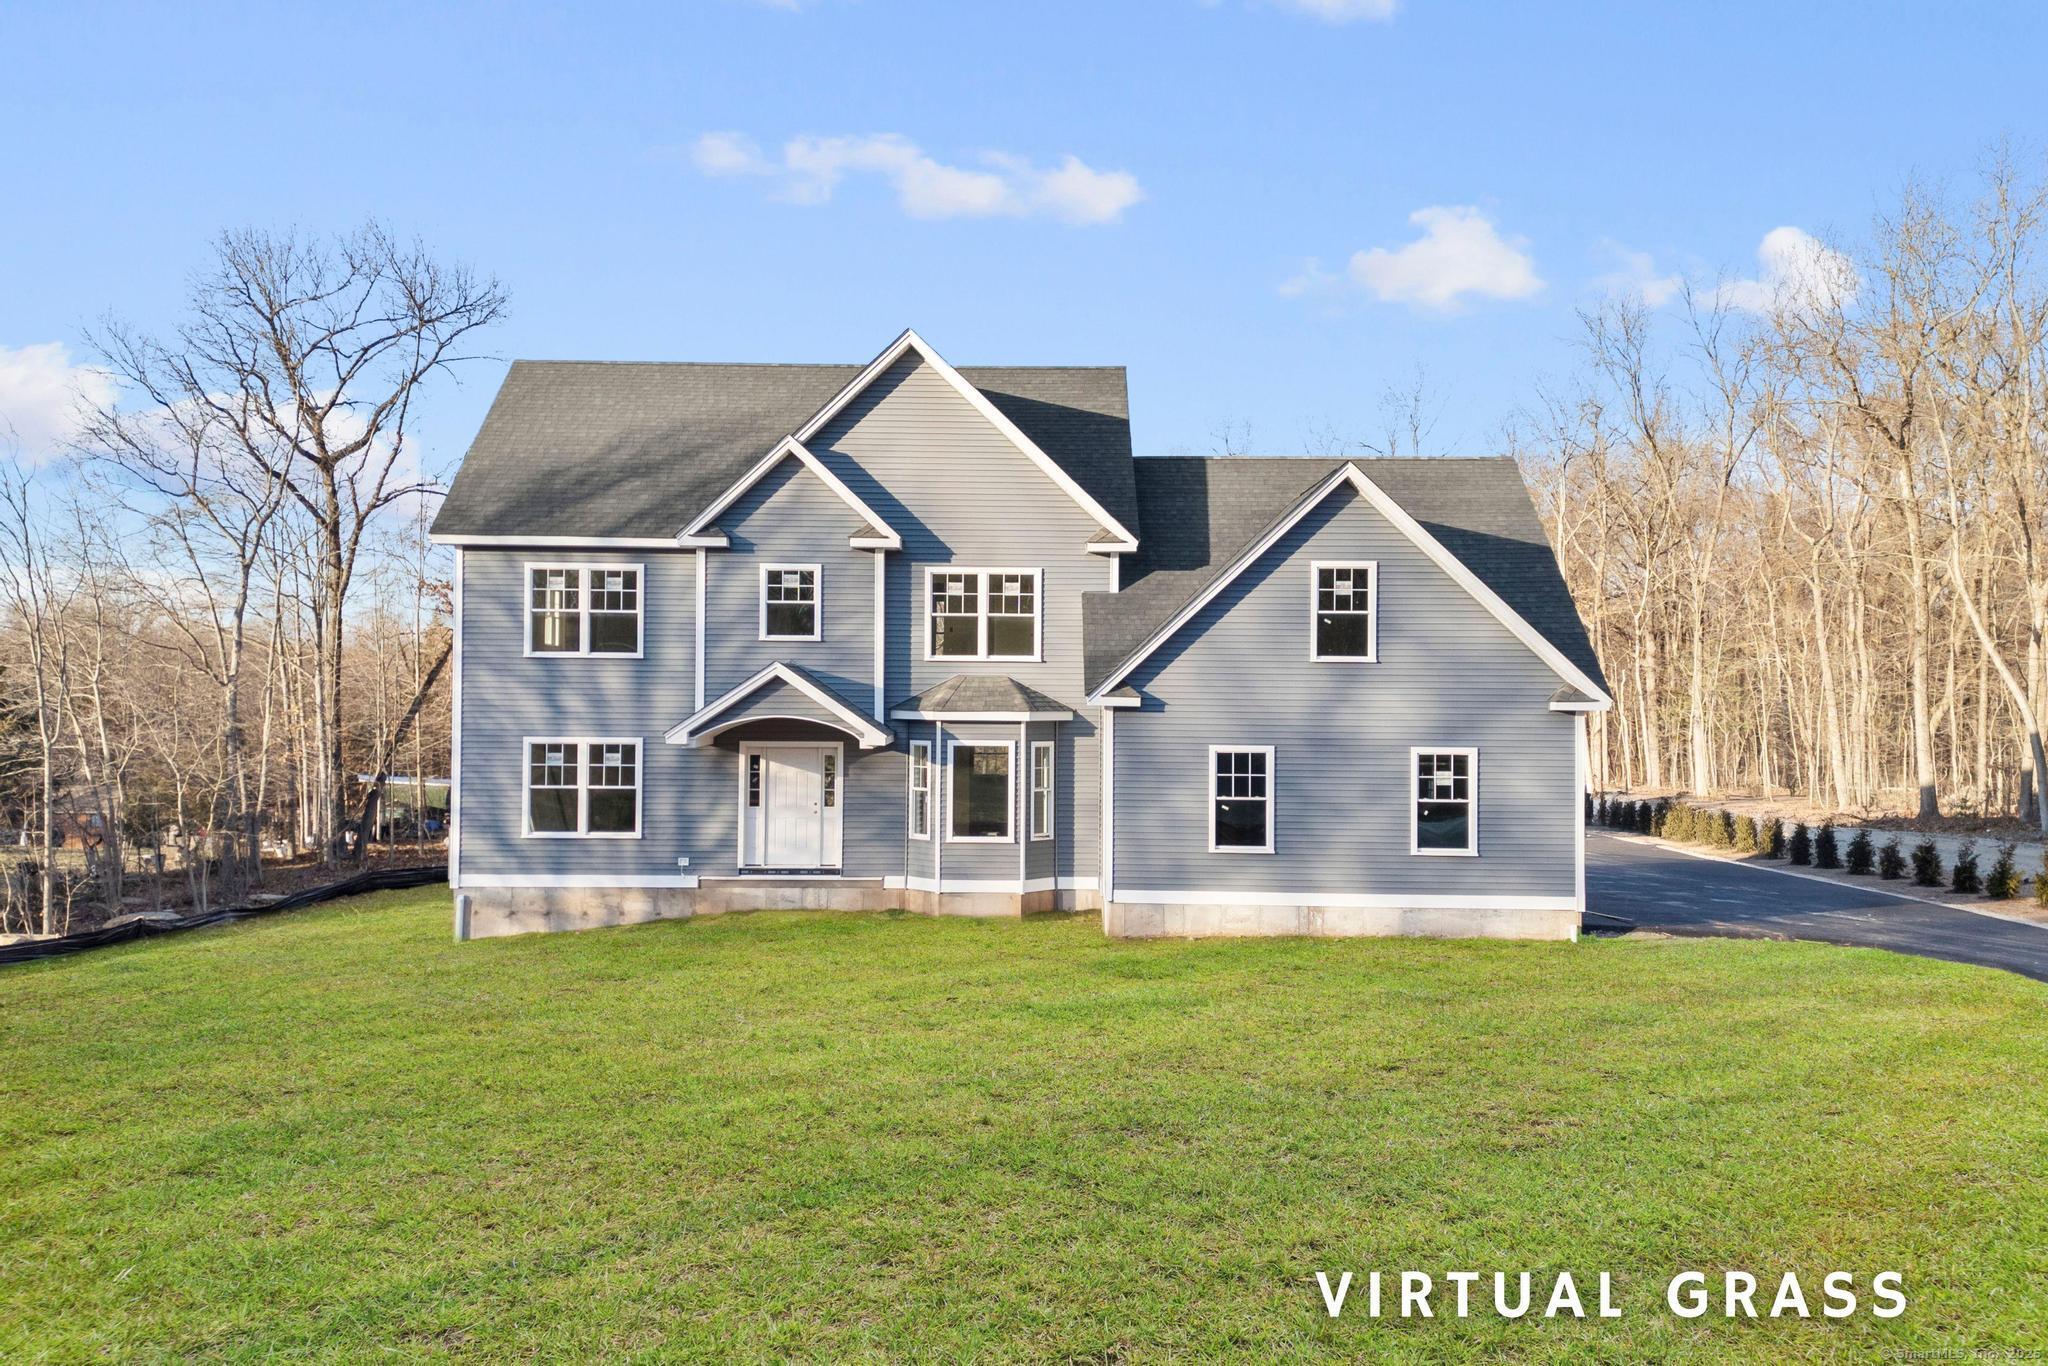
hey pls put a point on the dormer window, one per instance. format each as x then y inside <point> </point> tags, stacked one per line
<point>583,609</point>
<point>789,601</point>
<point>981,614</point>
<point>1343,610</point>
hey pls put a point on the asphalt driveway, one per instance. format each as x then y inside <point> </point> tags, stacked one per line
<point>1662,890</point>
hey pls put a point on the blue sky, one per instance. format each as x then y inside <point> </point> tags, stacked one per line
<point>1143,184</point>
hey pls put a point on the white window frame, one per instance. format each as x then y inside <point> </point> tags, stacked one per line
<point>1372,610</point>
<point>583,745</point>
<point>583,570</point>
<point>981,654</point>
<point>1009,796</point>
<point>817,574</point>
<point>1272,799</point>
<point>1471,849</point>
<point>1049,789</point>
<point>920,753</point>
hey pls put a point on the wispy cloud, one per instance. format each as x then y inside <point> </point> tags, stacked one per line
<point>43,396</point>
<point>1634,276</point>
<point>1342,11</point>
<point>1798,272</point>
<point>1459,255</point>
<point>808,170</point>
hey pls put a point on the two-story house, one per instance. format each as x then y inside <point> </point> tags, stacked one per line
<point>900,635</point>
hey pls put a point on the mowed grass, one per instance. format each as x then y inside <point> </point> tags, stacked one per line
<point>335,1134</point>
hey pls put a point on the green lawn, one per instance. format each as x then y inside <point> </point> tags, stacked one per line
<point>335,1134</point>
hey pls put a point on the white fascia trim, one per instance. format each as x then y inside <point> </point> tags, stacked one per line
<point>700,525</point>
<point>867,732</point>
<point>685,880</point>
<point>1120,703</point>
<point>1407,526</point>
<point>911,341</point>
<point>562,542</point>
<point>1036,884</point>
<point>911,714</point>
<point>1211,896</point>
<point>1581,707</point>
<point>714,540</point>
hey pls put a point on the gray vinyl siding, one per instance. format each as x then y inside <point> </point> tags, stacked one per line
<point>976,860</point>
<point>1448,674</point>
<point>791,517</point>
<point>961,494</point>
<point>507,696</point>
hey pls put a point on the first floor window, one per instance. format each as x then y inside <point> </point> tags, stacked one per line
<point>1343,611</point>
<point>577,609</point>
<point>982,614</point>
<point>789,602</point>
<point>980,781</point>
<point>920,790</point>
<point>1241,800</point>
<point>583,787</point>
<point>1041,789</point>
<point>1445,783</point>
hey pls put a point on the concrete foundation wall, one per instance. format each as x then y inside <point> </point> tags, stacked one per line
<point>1125,920</point>
<point>498,911</point>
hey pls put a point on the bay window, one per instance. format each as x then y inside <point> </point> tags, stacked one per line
<point>981,788</point>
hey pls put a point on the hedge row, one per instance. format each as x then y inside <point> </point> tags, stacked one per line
<point>1769,838</point>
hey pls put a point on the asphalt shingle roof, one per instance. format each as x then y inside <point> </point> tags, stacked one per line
<point>1195,514</point>
<point>981,693</point>
<point>595,448</point>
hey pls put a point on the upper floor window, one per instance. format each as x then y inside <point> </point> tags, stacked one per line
<point>583,609</point>
<point>1241,800</point>
<point>1342,610</point>
<point>1443,818</point>
<point>583,787</point>
<point>789,601</point>
<point>981,613</point>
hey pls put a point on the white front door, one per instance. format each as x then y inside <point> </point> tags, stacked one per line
<point>793,817</point>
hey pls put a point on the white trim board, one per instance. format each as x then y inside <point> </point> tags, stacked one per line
<point>561,542</point>
<point>698,727</point>
<point>700,527</point>
<point>910,341</point>
<point>1209,896</point>
<point>1351,474</point>
<point>594,880</point>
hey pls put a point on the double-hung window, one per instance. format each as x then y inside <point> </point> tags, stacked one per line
<point>1041,789</point>
<point>1444,816</point>
<point>981,613</point>
<point>1241,800</point>
<point>982,792</point>
<point>582,787</point>
<point>583,609</point>
<point>1343,619</point>
<point>920,790</point>
<point>790,602</point>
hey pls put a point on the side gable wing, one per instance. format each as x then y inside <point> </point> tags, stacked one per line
<point>1402,522</point>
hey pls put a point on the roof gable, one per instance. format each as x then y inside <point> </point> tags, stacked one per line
<point>909,343</point>
<point>870,532</point>
<point>1199,542</point>
<point>599,452</point>
<point>778,680</point>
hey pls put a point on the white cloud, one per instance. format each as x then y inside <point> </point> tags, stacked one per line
<point>1635,277</point>
<point>43,395</point>
<point>809,169</point>
<point>1459,255</point>
<point>1799,274</point>
<point>1342,11</point>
